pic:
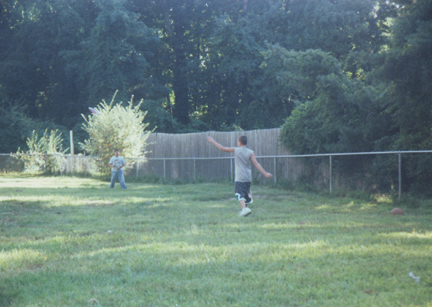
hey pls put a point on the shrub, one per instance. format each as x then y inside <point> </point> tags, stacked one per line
<point>44,154</point>
<point>114,127</point>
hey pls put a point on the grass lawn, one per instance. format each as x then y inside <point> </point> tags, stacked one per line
<point>74,242</point>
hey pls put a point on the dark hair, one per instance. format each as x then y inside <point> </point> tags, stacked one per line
<point>116,150</point>
<point>243,140</point>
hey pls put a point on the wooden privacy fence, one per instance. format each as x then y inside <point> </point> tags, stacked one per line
<point>194,145</point>
<point>192,157</point>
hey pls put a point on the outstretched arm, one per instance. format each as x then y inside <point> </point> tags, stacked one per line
<point>219,146</point>
<point>259,167</point>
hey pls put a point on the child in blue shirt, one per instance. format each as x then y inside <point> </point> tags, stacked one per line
<point>116,163</point>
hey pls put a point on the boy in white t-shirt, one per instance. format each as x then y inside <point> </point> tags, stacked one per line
<point>116,163</point>
<point>243,173</point>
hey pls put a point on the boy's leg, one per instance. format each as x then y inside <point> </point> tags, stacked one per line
<point>121,179</point>
<point>113,179</point>
<point>245,192</point>
<point>241,191</point>
<point>245,209</point>
<point>242,204</point>
<point>248,197</point>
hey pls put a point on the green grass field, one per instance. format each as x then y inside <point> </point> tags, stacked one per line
<point>73,242</point>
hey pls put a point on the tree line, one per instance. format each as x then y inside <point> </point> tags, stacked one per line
<point>337,75</point>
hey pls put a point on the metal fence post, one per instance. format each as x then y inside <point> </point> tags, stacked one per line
<point>231,169</point>
<point>400,174</point>
<point>194,169</point>
<point>330,166</point>
<point>71,142</point>
<point>287,169</point>
<point>73,164</point>
<point>61,164</point>
<point>164,170</point>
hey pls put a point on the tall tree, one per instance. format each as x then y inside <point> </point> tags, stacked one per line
<point>210,55</point>
<point>32,70</point>
<point>113,56</point>
<point>407,72</point>
<point>185,28</point>
<point>338,115</point>
<point>65,56</point>
<point>407,69</point>
<point>241,91</point>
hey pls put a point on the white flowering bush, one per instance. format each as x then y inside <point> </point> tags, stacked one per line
<point>116,126</point>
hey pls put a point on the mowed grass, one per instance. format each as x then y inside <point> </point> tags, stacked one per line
<point>73,242</point>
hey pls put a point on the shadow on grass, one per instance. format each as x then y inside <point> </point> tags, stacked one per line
<point>8,293</point>
<point>161,245</point>
<point>158,273</point>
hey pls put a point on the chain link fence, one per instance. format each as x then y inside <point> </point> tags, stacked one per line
<point>319,172</point>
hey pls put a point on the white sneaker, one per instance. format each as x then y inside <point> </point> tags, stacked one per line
<point>245,211</point>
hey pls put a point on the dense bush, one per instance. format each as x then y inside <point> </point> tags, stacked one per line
<point>44,153</point>
<point>115,127</point>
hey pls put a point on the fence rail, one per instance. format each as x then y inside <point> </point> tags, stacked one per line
<point>190,157</point>
<point>331,155</point>
<point>210,168</point>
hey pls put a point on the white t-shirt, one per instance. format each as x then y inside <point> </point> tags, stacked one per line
<point>117,161</point>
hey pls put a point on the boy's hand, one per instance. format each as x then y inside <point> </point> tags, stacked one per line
<point>268,175</point>
<point>210,139</point>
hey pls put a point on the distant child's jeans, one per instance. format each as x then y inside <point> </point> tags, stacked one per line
<point>120,175</point>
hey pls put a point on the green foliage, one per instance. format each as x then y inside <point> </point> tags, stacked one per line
<point>115,127</point>
<point>406,71</point>
<point>346,75</point>
<point>61,56</point>
<point>334,113</point>
<point>114,54</point>
<point>31,71</point>
<point>158,118</point>
<point>338,27</point>
<point>245,94</point>
<point>198,61</point>
<point>44,153</point>
<point>15,128</point>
